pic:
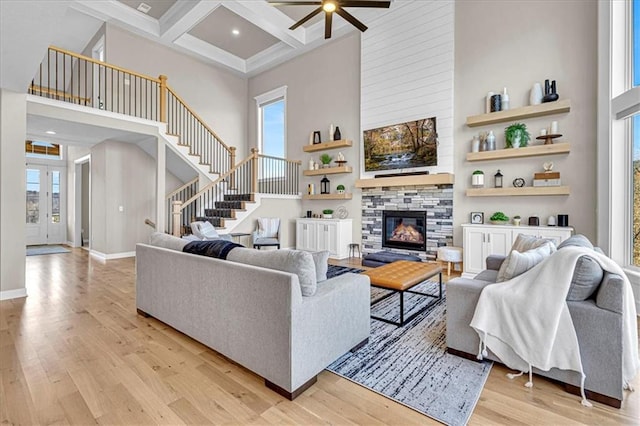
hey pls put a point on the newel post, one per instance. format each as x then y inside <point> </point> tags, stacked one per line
<point>163,98</point>
<point>232,160</point>
<point>176,210</point>
<point>254,161</point>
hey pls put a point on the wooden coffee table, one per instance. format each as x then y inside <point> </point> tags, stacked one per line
<point>400,277</point>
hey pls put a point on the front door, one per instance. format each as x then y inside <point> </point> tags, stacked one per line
<point>45,205</point>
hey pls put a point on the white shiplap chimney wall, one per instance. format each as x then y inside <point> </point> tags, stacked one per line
<point>407,72</point>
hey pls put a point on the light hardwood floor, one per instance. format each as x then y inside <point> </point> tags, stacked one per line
<point>76,352</point>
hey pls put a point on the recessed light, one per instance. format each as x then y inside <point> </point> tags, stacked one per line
<point>50,132</point>
<point>144,8</point>
<point>235,32</point>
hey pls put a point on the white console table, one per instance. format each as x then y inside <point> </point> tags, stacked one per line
<point>324,234</point>
<point>479,241</point>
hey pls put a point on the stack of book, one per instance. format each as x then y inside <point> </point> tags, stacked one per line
<point>546,179</point>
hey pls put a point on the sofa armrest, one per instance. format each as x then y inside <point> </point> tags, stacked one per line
<point>609,295</point>
<point>494,261</point>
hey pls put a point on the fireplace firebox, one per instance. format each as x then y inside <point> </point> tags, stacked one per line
<point>404,229</point>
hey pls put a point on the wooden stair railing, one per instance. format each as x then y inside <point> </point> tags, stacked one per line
<point>78,79</point>
<point>255,174</point>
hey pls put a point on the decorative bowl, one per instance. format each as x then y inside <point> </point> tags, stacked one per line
<point>499,222</point>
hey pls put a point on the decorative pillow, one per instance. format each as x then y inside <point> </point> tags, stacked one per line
<point>528,242</point>
<point>517,263</point>
<point>293,261</point>
<point>321,261</point>
<point>586,279</point>
<point>268,227</point>
<point>167,241</point>
<point>576,240</point>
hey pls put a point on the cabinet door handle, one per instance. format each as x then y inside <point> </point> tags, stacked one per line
<point>484,237</point>
<point>488,238</point>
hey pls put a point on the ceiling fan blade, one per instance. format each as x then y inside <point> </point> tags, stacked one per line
<point>306,18</point>
<point>347,3</point>
<point>351,19</point>
<point>327,24</point>
<point>294,3</point>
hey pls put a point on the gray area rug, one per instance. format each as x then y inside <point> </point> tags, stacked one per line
<point>38,250</point>
<point>409,364</point>
<point>335,270</point>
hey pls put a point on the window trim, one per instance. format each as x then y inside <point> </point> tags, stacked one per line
<point>264,100</point>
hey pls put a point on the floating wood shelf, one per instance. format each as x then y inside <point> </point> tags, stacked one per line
<point>531,111</point>
<point>435,179</point>
<point>345,196</point>
<point>327,145</point>
<point>329,171</point>
<point>527,151</point>
<point>528,190</point>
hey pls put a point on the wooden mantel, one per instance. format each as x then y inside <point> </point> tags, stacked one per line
<point>431,179</point>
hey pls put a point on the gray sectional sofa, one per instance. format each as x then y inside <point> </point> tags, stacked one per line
<point>255,316</point>
<point>595,304</point>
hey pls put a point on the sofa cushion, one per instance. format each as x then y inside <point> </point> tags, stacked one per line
<point>293,261</point>
<point>517,263</point>
<point>528,242</point>
<point>587,276</point>
<point>321,262</point>
<point>160,239</point>
<point>576,240</point>
<point>489,275</point>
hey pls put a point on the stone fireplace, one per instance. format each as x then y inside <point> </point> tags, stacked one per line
<point>404,229</point>
<point>434,201</point>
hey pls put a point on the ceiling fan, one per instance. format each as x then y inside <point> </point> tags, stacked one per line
<point>329,7</point>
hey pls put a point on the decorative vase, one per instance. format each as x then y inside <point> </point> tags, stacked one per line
<point>327,216</point>
<point>515,142</point>
<point>516,222</point>
<point>340,191</point>
<point>477,180</point>
<point>337,135</point>
<point>535,98</point>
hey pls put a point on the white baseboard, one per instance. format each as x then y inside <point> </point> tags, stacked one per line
<point>13,294</point>
<point>111,256</point>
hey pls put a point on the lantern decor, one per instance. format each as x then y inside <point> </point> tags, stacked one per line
<point>325,187</point>
<point>498,179</point>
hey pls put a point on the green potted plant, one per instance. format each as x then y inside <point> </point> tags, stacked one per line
<point>340,188</point>
<point>326,160</point>
<point>516,135</point>
<point>327,213</point>
<point>516,220</point>
<point>499,218</point>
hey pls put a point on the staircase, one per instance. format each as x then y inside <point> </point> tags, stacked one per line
<point>235,187</point>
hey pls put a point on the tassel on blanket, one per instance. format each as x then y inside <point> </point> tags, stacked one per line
<point>482,348</point>
<point>584,401</point>
<point>513,376</point>
<point>627,386</point>
<point>529,384</point>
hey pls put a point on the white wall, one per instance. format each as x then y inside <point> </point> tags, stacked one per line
<point>115,182</point>
<point>216,95</point>
<point>13,130</point>
<point>407,71</point>
<point>322,88</point>
<point>516,44</point>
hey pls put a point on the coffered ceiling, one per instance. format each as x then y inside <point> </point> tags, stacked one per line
<point>246,36</point>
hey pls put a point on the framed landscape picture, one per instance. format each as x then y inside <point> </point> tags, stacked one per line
<point>401,146</point>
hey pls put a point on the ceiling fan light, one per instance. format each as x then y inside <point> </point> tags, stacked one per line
<point>329,6</point>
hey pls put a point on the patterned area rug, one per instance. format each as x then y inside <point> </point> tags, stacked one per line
<point>334,271</point>
<point>409,364</point>
<point>38,250</point>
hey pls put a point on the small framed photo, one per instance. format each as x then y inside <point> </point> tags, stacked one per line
<point>477,217</point>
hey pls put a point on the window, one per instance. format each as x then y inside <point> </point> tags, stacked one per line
<point>619,133</point>
<point>41,149</point>
<point>272,141</point>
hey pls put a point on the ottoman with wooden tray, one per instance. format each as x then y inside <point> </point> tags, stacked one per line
<point>401,277</point>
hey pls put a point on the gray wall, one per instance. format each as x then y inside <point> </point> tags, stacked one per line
<point>323,87</point>
<point>516,44</point>
<point>216,95</point>
<point>13,128</point>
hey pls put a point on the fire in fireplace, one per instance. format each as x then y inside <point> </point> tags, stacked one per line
<point>404,229</point>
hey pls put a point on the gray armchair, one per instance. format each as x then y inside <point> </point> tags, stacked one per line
<point>267,233</point>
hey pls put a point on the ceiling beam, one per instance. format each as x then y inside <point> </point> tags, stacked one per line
<point>211,52</point>
<point>183,16</point>
<point>126,17</point>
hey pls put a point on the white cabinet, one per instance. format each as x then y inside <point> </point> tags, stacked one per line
<point>324,234</point>
<point>479,241</point>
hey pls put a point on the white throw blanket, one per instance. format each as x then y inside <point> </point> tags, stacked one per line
<point>526,322</point>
